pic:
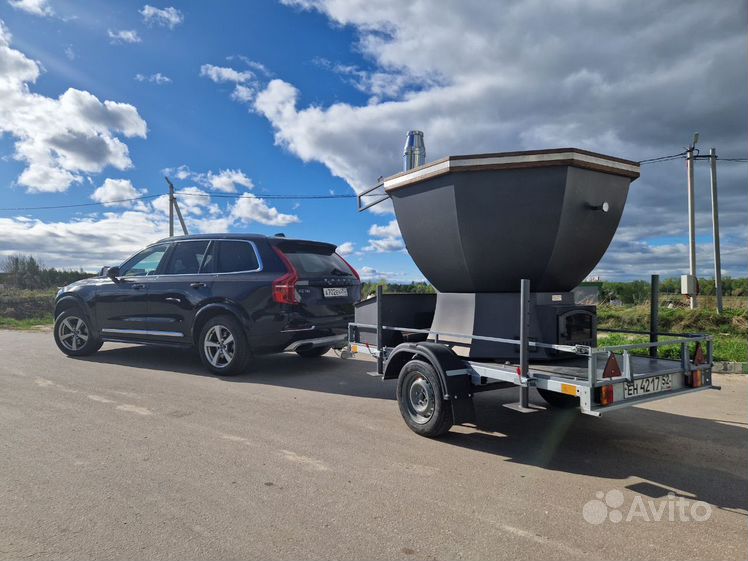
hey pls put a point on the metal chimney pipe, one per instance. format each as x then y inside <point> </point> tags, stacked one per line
<point>414,153</point>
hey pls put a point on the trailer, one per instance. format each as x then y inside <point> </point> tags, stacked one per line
<point>435,385</point>
<point>482,228</point>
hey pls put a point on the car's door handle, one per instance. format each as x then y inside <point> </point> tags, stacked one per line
<point>198,285</point>
<point>138,286</point>
<point>171,299</point>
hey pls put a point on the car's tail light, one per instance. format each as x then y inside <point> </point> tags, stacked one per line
<point>284,287</point>
<point>354,271</point>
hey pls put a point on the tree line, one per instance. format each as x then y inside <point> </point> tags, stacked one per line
<point>629,292</point>
<point>28,272</point>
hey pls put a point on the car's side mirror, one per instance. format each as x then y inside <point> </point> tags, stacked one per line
<point>104,271</point>
<point>113,273</point>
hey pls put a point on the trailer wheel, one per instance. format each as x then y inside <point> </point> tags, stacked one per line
<point>558,400</point>
<point>421,401</point>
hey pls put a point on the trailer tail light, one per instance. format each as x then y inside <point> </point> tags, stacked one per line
<point>696,378</point>
<point>284,287</point>
<point>354,271</point>
<point>606,395</point>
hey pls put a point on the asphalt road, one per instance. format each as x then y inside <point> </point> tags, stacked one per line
<point>135,453</point>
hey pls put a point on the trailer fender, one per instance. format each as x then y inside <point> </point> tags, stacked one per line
<point>454,375</point>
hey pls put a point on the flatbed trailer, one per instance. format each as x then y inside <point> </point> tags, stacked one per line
<point>436,385</point>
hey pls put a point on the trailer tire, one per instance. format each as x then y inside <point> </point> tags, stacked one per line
<point>558,400</point>
<point>421,400</point>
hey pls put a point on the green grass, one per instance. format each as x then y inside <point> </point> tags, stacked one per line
<point>726,348</point>
<point>733,321</point>
<point>29,323</point>
<point>730,329</point>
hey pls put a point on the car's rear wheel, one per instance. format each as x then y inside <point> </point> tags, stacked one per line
<point>73,334</point>
<point>312,352</point>
<point>223,347</point>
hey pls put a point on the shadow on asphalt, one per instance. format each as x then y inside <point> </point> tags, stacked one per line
<point>697,456</point>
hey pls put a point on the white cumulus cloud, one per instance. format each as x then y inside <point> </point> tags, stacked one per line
<point>346,248</point>
<point>123,36</point>
<point>386,238</point>
<point>35,7</point>
<point>249,208</point>
<point>157,78</point>
<point>167,17</point>
<point>225,180</point>
<point>115,192</point>
<point>59,139</point>
<point>225,74</point>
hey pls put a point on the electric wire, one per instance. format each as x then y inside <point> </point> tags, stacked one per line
<point>332,196</point>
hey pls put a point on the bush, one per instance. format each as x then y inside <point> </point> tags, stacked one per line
<point>26,304</point>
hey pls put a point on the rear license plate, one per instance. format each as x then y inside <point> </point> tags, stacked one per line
<point>645,386</point>
<point>334,292</point>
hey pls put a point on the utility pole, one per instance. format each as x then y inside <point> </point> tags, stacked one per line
<point>174,206</point>
<point>715,231</point>
<point>691,214</point>
<point>171,208</point>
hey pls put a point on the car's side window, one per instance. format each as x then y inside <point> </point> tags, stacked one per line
<point>236,256</point>
<point>209,260</point>
<point>144,263</point>
<point>186,258</point>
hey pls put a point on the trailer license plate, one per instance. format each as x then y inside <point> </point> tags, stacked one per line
<point>334,292</point>
<point>655,384</point>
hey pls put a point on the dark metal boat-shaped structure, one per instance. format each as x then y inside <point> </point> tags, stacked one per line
<point>481,223</point>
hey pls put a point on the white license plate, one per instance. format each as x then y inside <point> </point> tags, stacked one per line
<point>334,292</point>
<point>645,386</point>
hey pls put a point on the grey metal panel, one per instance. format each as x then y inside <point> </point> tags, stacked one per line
<point>485,230</point>
<point>398,310</point>
<point>498,315</point>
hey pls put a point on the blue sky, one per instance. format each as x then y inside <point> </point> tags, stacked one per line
<point>312,97</point>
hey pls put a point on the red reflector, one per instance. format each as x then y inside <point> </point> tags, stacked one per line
<point>611,367</point>
<point>284,287</point>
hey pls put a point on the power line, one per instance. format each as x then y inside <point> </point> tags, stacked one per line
<point>240,195</point>
<point>144,197</point>
<point>50,207</point>
<point>655,160</point>
<point>659,159</point>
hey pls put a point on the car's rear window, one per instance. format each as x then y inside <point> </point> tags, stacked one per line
<point>235,256</point>
<point>311,260</point>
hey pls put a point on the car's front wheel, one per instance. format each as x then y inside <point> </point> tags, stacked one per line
<point>73,334</point>
<point>223,347</point>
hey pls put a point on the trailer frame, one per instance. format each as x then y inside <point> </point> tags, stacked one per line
<point>584,376</point>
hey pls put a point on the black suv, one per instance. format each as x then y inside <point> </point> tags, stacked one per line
<point>230,295</point>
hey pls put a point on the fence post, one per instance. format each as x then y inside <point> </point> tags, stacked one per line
<point>654,313</point>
